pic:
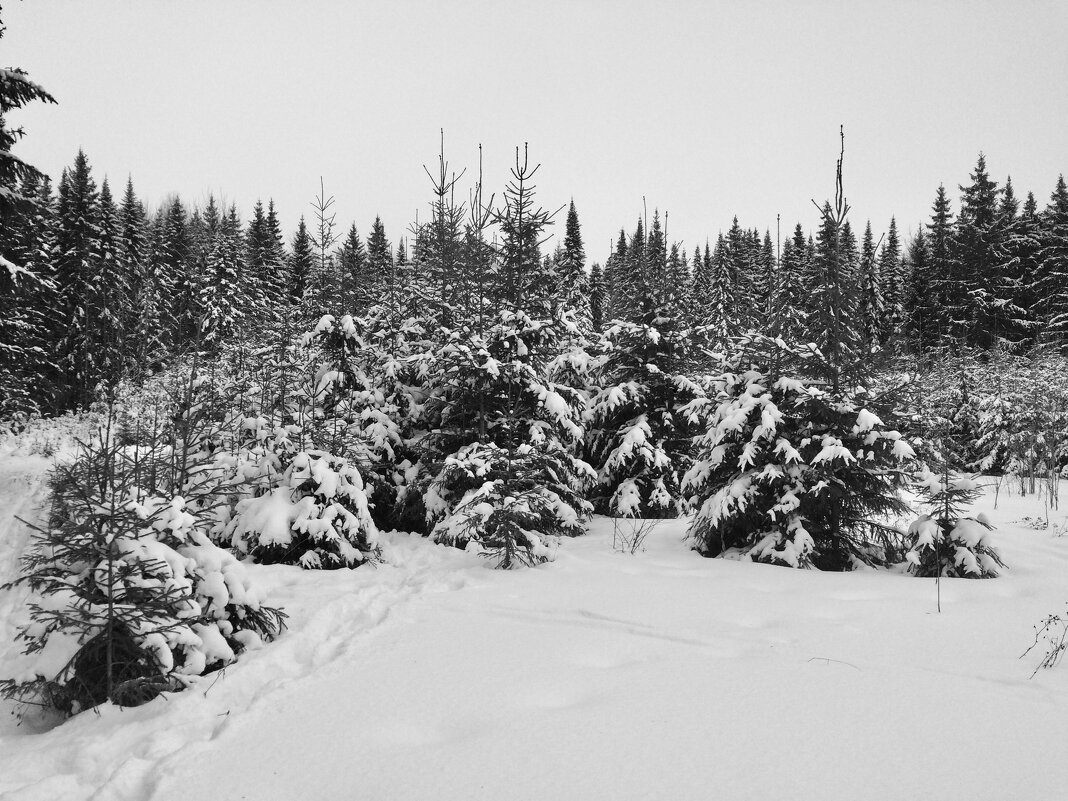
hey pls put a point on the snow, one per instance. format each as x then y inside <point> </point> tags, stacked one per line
<point>599,675</point>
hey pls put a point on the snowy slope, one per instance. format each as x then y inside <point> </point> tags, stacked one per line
<point>602,675</point>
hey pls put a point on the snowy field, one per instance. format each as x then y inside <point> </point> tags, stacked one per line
<point>658,675</point>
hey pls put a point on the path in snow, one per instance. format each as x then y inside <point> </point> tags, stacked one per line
<point>660,675</point>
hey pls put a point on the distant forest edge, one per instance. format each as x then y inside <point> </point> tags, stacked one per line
<point>95,289</point>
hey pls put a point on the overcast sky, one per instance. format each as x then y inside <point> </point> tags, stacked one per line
<point>706,109</point>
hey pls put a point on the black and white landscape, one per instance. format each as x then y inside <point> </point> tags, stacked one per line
<point>565,401</point>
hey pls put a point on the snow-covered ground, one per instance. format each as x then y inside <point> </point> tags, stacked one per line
<point>658,675</point>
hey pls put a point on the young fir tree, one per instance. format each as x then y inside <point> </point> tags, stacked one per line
<point>132,599</point>
<point>643,415</point>
<point>525,282</point>
<point>792,474</point>
<point>441,244</point>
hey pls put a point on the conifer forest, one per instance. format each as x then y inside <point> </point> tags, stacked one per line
<point>238,424</point>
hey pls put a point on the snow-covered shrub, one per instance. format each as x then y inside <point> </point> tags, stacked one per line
<point>1022,418</point>
<point>313,513</point>
<point>130,597</point>
<point>945,542</point>
<point>788,474</point>
<point>644,415</point>
<point>513,504</point>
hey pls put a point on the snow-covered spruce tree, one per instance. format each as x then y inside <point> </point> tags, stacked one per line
<point>500,443</point>
<point>23,304</point>
<point>131,598</point>
<point>286,497</point>
<point>791,474</point>
<point>644,415</point>
<point>363,409</point>
<point>945,542</point>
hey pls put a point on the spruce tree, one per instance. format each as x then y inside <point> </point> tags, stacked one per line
<point>977,242</point>
<point>920,314</point>
<point>379,264</point>
<point>946,302</point>
<point>891,283</point>
<point>1021,269</point>
<point>301,263</point>
<point>1053,265</point>
<point>597,297</point>
<point>78,265</point>
<point>721,312</point>
<point>525,283</point>
<point>870,308</point>
<point>25,287</point>
<point>787,319</point>
<point>354,275</point>
<point>833,324</point>
<point>573,286</point>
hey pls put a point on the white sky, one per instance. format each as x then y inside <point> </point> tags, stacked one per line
<point>707,109</point>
